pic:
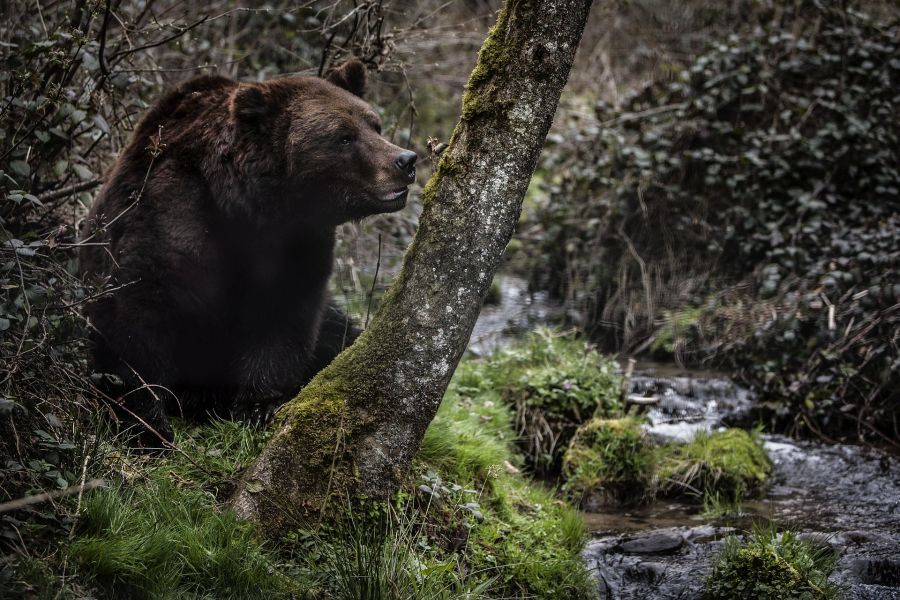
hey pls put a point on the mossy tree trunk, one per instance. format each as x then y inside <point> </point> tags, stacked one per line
<point>355,428</point>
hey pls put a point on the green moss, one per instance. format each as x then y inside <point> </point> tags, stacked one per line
<point>610,461</point>
<point>726,464</point>
<point>495,293</point>
<point>480,97</point>
<point>319,430</point>
<point>772,566</point>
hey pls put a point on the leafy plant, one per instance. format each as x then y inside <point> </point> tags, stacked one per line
<point>773,566</point>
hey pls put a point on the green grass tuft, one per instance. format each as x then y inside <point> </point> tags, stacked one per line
<point>555,382</point>
<point>516,532</point>
<point>160,541</point>
<point>725,465</point>
<point>380,557</point>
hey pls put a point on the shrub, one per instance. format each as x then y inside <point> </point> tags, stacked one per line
<point>727,464</point>
<point>761,188</point>
<point>772,566</point>
<point>610,461</point>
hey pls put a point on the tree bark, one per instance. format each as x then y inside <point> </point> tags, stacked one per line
<point>355,428</point>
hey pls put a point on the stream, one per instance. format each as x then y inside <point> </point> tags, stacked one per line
<point>842,495</point>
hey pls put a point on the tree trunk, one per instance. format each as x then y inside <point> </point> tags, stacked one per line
<point>355,428</point>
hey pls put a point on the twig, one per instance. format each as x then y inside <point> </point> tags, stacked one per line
<point>374,281</point>
<point>69,190</point>
<point>175,36</point>
<point>44,497</point>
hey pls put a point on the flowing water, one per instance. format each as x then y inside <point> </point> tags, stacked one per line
<point>842,495</point>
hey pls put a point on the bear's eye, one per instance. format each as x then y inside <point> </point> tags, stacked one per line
<point>346,140</point>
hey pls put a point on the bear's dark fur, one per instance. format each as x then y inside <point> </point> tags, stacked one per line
<point>216,230</point>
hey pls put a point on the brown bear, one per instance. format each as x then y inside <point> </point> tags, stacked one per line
<point>215,232</point>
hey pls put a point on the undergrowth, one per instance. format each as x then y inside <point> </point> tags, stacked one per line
<point>743,212</point>
<point>610,461</point>
<point>516,532</point>
<point>722,466</point>
<point>159,540</point>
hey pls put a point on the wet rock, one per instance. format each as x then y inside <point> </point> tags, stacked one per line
<point>678,572</point>
<point>657,543</point>
<point>882,572</point>
<point>646,572</point>
<point>686,405</point>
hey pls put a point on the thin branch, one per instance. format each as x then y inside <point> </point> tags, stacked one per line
<point>44,497</point>
<point>69,190</point>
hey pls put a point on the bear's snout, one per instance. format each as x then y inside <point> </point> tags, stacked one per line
<point>406,162</point>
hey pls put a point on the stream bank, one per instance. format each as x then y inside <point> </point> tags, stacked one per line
<point>842,495</point>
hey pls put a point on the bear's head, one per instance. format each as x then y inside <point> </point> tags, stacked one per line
<point>323,145</point>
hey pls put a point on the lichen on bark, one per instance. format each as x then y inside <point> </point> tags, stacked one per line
<point>355,428</point>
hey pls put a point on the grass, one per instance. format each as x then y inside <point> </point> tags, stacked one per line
<point>468,524</point>
<point>772,566</point>
<point>161,541</point>
<point>725,466</point>
<point>610,461</point>
<point>381,556</point>
<point>516,532</point>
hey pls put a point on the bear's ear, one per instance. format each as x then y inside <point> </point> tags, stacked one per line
<point>249,104</point>
<point>351,76</point>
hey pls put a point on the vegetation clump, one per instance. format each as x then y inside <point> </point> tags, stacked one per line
<point>725,464</point>
<point>610,461</point>
<point>158,541</point>
<point>516,532</point>
<point>772,566</point>
<point>555,382</point>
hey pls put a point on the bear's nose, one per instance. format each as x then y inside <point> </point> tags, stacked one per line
<point>406,162</point>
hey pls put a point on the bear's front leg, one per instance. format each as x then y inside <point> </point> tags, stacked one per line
<point>269,375</point>
<point>133,365</point>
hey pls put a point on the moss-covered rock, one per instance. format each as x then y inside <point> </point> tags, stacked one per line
<point>726,464</point>
<point>771,566</point>
<point>610,461</point>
